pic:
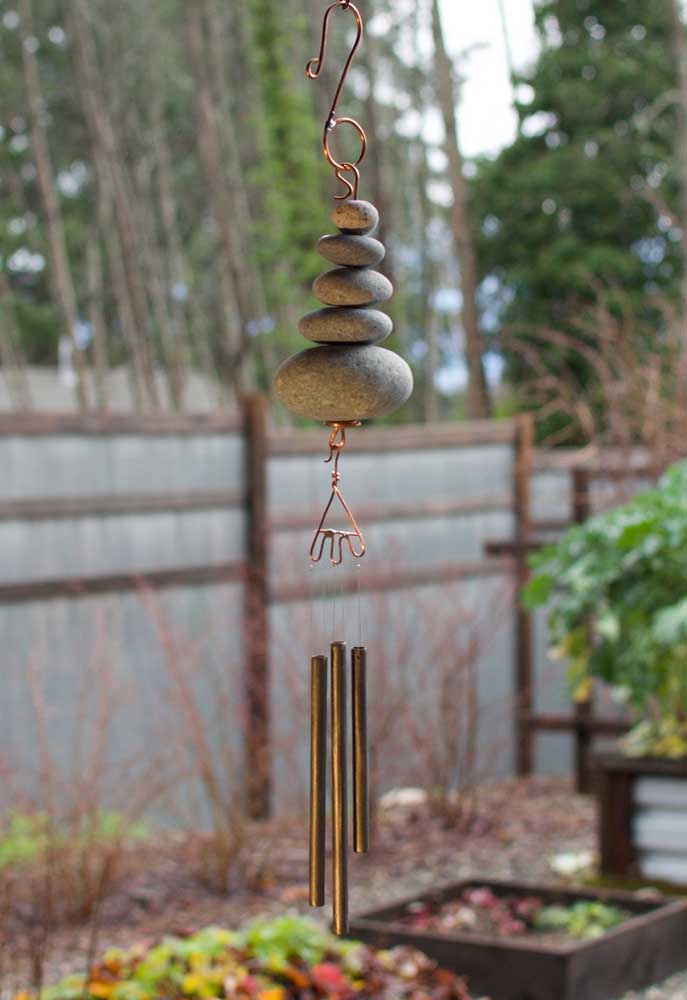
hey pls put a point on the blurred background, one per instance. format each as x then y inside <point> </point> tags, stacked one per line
<point>163,191</point>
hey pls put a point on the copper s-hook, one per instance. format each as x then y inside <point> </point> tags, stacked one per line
<point>313,70</point>
<point>335,537</point>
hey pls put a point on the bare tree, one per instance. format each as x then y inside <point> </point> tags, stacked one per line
<point>94,278</point>
<point>678,37</point>
<point>116,190</point>
<point>478,405</point>
<point>60,272</point>
<point>11,355</point>
<point>236,307</point>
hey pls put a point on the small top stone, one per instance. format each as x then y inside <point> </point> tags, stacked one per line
<point>355,216</point>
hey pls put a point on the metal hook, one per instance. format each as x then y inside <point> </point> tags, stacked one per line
<point>313,70</point>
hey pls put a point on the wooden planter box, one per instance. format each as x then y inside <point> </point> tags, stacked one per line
<point>642,817</point>
<point>646,949</point>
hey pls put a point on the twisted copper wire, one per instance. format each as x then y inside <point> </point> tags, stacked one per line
<point>313,70</point>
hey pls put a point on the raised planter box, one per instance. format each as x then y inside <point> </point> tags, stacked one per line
<point>642,817</point>
<point>646,949</point>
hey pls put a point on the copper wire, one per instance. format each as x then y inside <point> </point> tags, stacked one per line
<point>336,538</point>
<point>313,70</point>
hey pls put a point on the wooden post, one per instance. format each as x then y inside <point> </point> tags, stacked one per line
<point>615,792</point>
<point>522,473</point>
<point>581,510</point>
<point>256,619</point>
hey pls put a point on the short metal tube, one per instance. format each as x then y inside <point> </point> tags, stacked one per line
<point>361,812</point>
<point>339,788</point>
<point>318,777</point>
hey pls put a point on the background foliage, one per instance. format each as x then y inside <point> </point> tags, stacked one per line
<point>181,143</point>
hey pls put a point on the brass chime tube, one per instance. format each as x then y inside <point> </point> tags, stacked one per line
<point>361,819</point>
<point>318,777</point>
<point>339,788</point>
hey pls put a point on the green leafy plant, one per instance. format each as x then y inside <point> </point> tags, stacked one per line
<point>282,959</point>
<point>25,837</point>
<point>619,589</point>
<point>581,920</point>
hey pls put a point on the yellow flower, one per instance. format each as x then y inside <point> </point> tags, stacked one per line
<point>101,990</point>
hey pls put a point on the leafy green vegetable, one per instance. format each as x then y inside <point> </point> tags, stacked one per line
<point>620,609</point>
<point>581,920</point>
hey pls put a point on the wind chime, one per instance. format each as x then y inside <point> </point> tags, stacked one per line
<point>345,379</point>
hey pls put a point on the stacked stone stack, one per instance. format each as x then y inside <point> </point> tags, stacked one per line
<point>347,377</point>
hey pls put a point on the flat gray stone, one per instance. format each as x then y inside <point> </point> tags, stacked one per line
<point>346,326</point>
<point>352,286</point>
<point>336,383</point>
<point>355,216</point>
<point>348,250</point>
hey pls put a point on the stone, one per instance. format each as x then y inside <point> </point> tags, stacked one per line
<point>347,382</point>
<point>346,326</point>
<point>348,250</point>
<point>355,216</point>
<point>346,286</point>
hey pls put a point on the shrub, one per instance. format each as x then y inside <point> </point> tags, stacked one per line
<point>619,590</point>
<point>284,959</point>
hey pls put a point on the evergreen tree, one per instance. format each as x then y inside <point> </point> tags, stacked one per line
<point>573,205</point>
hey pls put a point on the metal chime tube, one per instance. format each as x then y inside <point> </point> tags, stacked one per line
<point>318,777</point>
<point>339,788</point>
<point>361,824</point>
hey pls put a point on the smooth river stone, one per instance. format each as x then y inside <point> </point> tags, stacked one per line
<point>335,383</point>
<point>348,250</point>
<point>346,286</point>
<point>355,216</point>
<point>346,326</point>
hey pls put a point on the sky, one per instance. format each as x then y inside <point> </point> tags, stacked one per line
<point>486,120</point>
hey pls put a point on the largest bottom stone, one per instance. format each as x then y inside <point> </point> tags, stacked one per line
<point>343,382</point>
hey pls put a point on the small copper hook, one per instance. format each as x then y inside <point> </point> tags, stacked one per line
<point>313,70</point>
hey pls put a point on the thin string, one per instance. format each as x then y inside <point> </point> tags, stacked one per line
<point>311,607</point>
<point>358,576</point>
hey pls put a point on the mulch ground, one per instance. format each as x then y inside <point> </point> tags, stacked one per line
<point>516,829</point>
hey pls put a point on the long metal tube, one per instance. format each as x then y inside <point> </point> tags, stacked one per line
<point>361,817</point>
<point>339,788</point>
<point>318,777</point>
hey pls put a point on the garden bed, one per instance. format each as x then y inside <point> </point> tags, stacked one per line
<point>647,946</point>
<point>642,817</point>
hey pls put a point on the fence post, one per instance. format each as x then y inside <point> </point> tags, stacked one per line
<point>258,757</point>
<point>522,473</point>
<point>581,510</point>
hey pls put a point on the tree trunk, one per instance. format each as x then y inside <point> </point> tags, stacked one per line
<point>477,404</point>
<point>250,277</point>
<point>11,355</point>
<point>177,270</point>
<point>94,278</point>
<point>108,161</point>
<point>236,311</point>
<point>376,164</point>
<point>60,272</point>
<point>678,33</point>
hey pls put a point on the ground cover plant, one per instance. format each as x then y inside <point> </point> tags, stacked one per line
<point>619,614</point>
<point>283,959</point>
<point>478,910</point>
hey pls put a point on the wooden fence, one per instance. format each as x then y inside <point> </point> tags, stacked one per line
<point>148,479</point>
<point>531,534</point>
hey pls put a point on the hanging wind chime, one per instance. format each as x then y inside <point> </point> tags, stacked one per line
<point>345,379</point>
